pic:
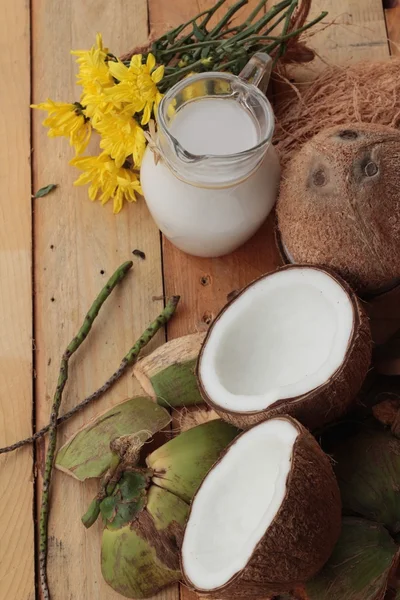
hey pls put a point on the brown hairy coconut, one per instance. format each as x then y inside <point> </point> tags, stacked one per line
<point>339,205</point>
<point>296,342</point>
<point>265,518</point>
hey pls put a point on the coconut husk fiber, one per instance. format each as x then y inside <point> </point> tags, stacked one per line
<point>366,92</point>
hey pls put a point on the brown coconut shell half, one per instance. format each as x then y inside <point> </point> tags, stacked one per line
<point>339,205</point>
<point>302,534</point>
<point>322,404</point>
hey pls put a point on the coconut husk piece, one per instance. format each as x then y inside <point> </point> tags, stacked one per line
<point>168,374</point>
<point>366,92</point>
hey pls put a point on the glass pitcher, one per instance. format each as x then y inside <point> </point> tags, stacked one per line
<point>212,175</point>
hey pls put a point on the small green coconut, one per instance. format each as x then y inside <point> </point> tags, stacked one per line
<point>175,465</point>
<point>360,567</point>
<point>140,545</point>
<point>339,205</point>
<point>367,467</point>
<point>144,508</point>
<point>168,374</point>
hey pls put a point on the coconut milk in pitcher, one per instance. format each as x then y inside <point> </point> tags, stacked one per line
<point>212,177</point>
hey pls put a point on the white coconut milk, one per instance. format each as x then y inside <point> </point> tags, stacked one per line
<point>208,220</point>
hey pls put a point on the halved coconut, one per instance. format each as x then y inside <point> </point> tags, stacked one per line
<point>296,341</point>
<point>265,518</point>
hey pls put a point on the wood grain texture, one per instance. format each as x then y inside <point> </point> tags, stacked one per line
<point>78,244</point>
<point>392,16</point>
<point>17,575</point>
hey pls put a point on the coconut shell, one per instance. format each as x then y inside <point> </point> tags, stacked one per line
<point>142,557</point>
<point>168,374</point>
<point>339,205</point>
<point>367,467</point>
<point>303,533</point>
<point>324,403</point>
<point>88,454</point>
<point>181,464</point>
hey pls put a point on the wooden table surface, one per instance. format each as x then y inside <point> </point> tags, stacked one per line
<point>56,253</point>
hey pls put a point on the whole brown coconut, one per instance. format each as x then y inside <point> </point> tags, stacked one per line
<point>339,205</point>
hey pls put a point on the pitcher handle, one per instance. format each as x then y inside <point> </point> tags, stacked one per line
<point>258,70</point>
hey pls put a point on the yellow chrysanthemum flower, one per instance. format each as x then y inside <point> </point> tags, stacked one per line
<point>68,120</point>
<point>94,76</point>
<point>138,85</point>
<point>93,72</point>
<point>121,136</point>
<point>106,179</point>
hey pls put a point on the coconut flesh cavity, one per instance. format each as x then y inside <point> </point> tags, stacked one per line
<point>261,521</point>
<point>283,346</point>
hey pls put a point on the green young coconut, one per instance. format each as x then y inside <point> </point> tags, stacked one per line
<point>139,553</point>
<point>168,374</point>
<point>360,565</point>
<point>181,464</point>
<point>87,453</point>
<point>368,472</point>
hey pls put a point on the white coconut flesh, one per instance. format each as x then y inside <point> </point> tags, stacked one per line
<point>284,336</point>
<point>236,504</point>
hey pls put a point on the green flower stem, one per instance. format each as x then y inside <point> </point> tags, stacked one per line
<point>286,26</point>
<point>72,347</point>
<point>182,70</point>
<point>128,360</point>
<point>228,16</point>
<point>254,13</point>
<point>211,12</point>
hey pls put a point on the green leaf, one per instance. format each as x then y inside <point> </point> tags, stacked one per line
<point>45,190</point>
<point>88,454</point>
<point>127,500</point>
<point>199,35</point>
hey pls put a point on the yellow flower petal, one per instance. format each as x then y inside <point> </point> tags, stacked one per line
<point>118,70</point>
<point>150,62</point>
<point>146,114</point>
<point>99,41</point>
<point>158,74</point>
<point>136,61</point>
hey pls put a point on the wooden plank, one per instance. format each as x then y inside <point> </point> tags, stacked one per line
<point>392,16</point>
<point>77,246</point>
<point>17,572</point>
